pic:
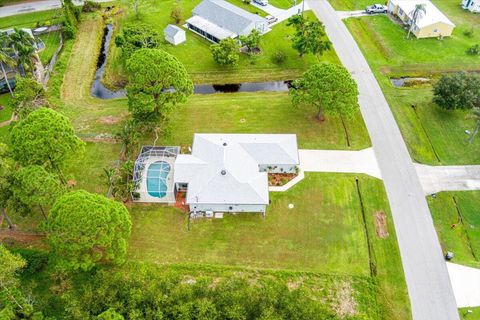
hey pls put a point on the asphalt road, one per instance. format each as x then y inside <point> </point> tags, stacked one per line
<point>428,282</point>
<point>35,6</point>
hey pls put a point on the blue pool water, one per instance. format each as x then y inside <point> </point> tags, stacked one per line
<point>156,179</point>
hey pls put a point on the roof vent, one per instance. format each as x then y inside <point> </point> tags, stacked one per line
<point>223,172</point>
<point>224,144</point>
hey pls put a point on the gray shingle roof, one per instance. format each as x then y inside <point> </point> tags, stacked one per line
<point>172,30</point>
<point>226,15</point>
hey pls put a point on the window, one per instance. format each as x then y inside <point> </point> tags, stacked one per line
<point>435,31</point>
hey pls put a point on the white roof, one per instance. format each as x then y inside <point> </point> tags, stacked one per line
<point>432,15</point>
<point>224,168</point>
<point>211,28</point>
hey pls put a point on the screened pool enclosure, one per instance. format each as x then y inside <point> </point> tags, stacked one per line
<point>153,174</point>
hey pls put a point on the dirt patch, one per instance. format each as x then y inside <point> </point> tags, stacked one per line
<point>345,305</point>
<point>109,120</point>
<point>15,237</point>
<point>381,224</point>
<point>294,285</point>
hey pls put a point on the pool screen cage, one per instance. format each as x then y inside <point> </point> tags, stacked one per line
<point>149,154</point>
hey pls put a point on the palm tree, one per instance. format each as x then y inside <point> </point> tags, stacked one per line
<point>5,57</point>
<point>420,10</point>
<point>476,116</point>
<point>24,46</point>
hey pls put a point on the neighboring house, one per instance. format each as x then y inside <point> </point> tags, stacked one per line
<point>472,5</point>
<point>224,172</point>
<point>432,23</point>
<point>174,34</point>
<point>216,20</point>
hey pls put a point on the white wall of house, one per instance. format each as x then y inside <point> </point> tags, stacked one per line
<point>228,207</point>
<point>178,38</point>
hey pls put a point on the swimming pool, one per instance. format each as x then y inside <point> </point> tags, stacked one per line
<point>156,179</point>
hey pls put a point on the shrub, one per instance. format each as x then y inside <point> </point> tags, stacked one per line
<point>279,57</point>
<point>91,6</point>
<point>474,50</point>
<point>69,32</point>
<point>176,14</point>
<point>468,33</point>
<point>36,260</point>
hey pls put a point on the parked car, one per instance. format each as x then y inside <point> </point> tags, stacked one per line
<point>261,2</point>
<point>271,19</point>
<point>376,8</point>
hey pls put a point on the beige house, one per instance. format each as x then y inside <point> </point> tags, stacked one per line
<point>431,24</point>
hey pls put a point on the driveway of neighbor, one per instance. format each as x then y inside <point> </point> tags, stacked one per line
<point>281,14</point>
<point>430,291</point>
<point>351,14</point>
<point>27,7</point>
<point>362,161</point>
<point>448,178</point>
<point>466,284</point>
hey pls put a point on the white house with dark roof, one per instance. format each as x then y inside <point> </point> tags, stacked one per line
<point>174,34</point>
<point>229,172</point>
<point>223,173</point>
<point>216,20</point>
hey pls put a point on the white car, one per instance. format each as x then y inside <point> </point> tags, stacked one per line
<point>271,19</point>
<point>376,8</point>
<point>261,2</point>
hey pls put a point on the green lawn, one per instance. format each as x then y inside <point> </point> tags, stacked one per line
<point>323,233</point>
<point>248,7</point>
<point>6,112</point>
<point>461,209</point>
<point>475,315</point>
<point>433,136</point>
<point>52,41</point>
<point>29,20</point>
<point>349,5</point>
<point>283,4</point>
<point>196,56</point>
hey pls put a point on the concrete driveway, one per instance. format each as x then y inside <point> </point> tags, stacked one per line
<point>281,14</point>
<point>429,288</point>
<point>448,178</point>
<point>466,284</point>
<point>362,161</point>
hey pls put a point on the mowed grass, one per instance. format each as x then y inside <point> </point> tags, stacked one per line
<point>195,53</point>
<point>433,136</point>
<point>324,232</point>
<point>29,20</point>
<point>349,5</point>
<point>236,113</point>
<point>52,41</point>
<point>459,209</point>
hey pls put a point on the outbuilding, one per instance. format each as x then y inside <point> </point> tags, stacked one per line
<point>174,34</point>
<point>431,24</point>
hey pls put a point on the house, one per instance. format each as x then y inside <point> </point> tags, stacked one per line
<point>174,35</point>
<point>223,173</point>
<point>216,20</point>
<point>432,23</point>
<point>472,5</point>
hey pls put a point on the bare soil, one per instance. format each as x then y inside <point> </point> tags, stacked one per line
<point>280,179</point>
<point>346,305</point>
<point>381,224</point>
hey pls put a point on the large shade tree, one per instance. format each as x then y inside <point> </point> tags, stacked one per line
<point>29,95</point>
<point>11,298</point>
<point>309,36</point>
<point>459,90</point>
<point>85,229</point>
<point>33,186</point>
<point>44,137</point>
<point>137,36</point>
<point>157,82</point>
<point>328,88</point>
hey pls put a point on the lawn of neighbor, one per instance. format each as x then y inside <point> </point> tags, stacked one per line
<point>201,65</point>
<point>433,136</point>
<point>326,237</point>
